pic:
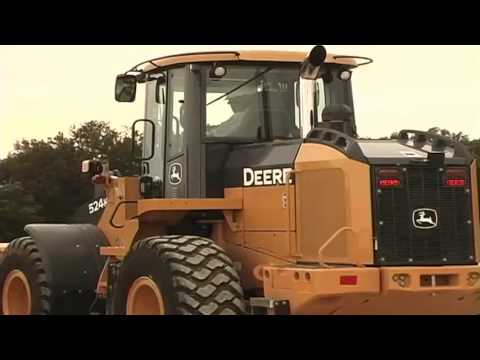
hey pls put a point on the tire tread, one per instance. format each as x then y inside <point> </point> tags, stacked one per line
<point>203,276</point>
<point>26,247</point>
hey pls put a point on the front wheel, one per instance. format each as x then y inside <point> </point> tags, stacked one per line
<point>172,275</point>
<point>23,283</point>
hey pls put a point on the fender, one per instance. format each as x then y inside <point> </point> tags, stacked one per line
<point>91,211</point>
<point>72,260</point>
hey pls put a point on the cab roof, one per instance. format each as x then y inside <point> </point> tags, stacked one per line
<point>242,55</point>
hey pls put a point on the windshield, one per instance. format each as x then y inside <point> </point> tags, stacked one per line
<point>253,102</point>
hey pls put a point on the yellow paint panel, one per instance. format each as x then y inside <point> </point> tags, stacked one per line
<point>271,242</point>
<point>266,208</point>
<point>333,192</point>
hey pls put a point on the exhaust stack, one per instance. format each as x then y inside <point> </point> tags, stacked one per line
<point>312,65</point>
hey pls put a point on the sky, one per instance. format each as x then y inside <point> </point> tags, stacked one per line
<point>47,89</point>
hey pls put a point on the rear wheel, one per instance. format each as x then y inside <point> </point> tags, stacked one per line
<point>23,283</point>
<point>177,275</point>
<point>16,294</point>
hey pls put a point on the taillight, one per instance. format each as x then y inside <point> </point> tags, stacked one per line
<point>389,178</point>
<point>456,182</point>
<point>389,182</point>
<point>455,177</point>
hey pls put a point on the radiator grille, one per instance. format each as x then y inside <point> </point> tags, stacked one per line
<point>399,242</point>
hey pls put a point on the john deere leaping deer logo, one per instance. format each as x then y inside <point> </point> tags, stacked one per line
<point>425,218</point>
<point>175,174</point>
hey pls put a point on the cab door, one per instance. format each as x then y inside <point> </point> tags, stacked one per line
<point>153,154</point>
<point>175,150</point>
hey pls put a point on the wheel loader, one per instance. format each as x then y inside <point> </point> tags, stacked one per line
<point>256,195</point>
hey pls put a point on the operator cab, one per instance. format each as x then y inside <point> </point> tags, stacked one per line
<point>203,108</point>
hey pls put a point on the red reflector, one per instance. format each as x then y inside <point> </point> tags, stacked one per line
<point>388,182</point>
<point>348,280</point>
<point>456,182</point>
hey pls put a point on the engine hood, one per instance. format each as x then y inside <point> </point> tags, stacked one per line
<point>406,151</point>
<point>377,152</point>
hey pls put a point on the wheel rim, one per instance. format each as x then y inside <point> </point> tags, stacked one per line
<point>145,298</point>
<point>16,294</point>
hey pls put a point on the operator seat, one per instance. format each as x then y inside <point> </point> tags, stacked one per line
<point>339,117</point>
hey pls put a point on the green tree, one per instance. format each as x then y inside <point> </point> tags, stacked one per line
<point>17,208</point>
<point>459,137</point>
<point>48,172</point>
<point>97,139</point>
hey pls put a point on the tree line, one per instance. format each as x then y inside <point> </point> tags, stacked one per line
<point>40,181</point>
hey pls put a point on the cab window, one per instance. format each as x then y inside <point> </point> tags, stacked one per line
<point>175,112</point>
<point>252,102</point>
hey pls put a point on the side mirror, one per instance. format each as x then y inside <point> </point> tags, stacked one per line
<point>312,65</point>
<point>125,88</point>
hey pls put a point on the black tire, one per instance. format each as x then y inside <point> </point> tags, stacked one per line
<point>194,275</point>
<point>22,254</point>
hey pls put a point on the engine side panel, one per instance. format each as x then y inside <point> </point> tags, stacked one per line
<point>333,206</point>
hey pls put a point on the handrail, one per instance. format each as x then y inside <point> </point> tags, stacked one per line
<point>112,224</point>
<point>152,61</point>
<point>287,195</point>
<point>152,140</point>
<point>330,240</point>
